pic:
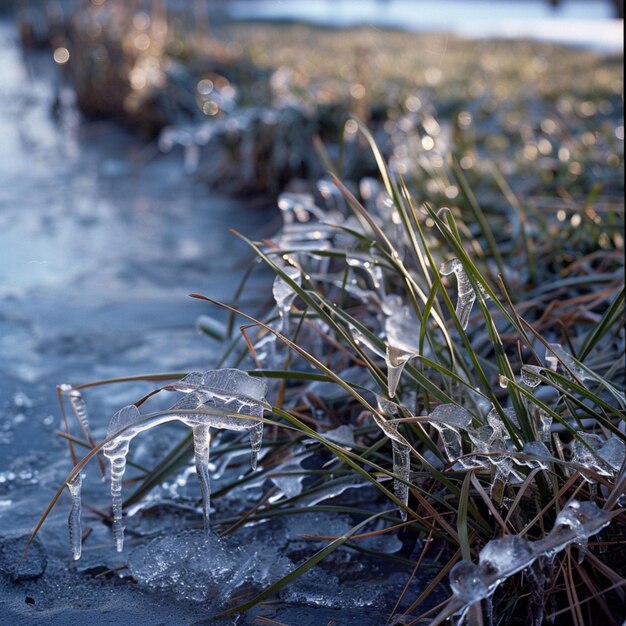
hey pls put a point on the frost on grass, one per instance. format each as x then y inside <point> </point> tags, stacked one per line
<point>226,399</point>
<point>400,449</point>
<point>501,558</point>
<point>466,296</point>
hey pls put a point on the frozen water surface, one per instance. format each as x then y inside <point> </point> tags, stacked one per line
<point>100,245</point>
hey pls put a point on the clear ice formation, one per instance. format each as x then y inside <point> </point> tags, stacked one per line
<point>605,457</point>
<point>365,263</point>
<point>466,296</point>
<point>449,419</point>
<point>226,399</point>
<point>402,329</point>
<point>343,435</point>
<point>74,518</point>
<point>538,450</point>
<point>378,202</point>
<point>501,558</point>
<point>331,194</point>
<point>400,450</point>
<point>303,234</point>
<point>78,404</point>
<point>298,208</point>
<point>284,295</point>
<point>529,375</point>
<point>332,489</point>
<point>288,476</point>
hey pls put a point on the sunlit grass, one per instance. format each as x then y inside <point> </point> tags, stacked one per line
<point>505,157</point>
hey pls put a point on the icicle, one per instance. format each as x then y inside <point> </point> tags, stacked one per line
<point>400,449</point>
<point>395,359</point>
<point>201,448</point>
<point>227,398</point>
<point>284,295</point>
<point>74,521</point>
<point>465,292</point>
<point>256,439</point>
<point>545,424</point>
<point>401,467</point>
<point>116,451</point>
<point>79,406</point>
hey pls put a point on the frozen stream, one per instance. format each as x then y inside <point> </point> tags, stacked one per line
<point>101,240</point>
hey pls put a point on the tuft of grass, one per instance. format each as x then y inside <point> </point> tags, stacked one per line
<point>523,192</point>
<point>370,263</point>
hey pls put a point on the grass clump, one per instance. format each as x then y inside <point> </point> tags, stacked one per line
<point>478,389</point>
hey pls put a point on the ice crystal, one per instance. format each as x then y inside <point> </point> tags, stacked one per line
<point>370,267</point>
<point>604,457</point>
<point>507,555</point>
<point>78,404</point>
